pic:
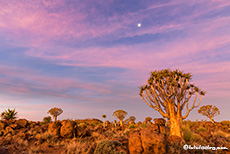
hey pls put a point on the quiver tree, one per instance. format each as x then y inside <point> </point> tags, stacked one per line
<point>169,92</point>
<point>55,112</point>
<point>47,120</point>
<point>210,111</point>
<point>132,118</point>
<point>120,114</point>
<point>104,116</point>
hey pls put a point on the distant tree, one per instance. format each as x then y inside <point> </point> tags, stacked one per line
<point>132,118</point>
<point>104,116</point>
<point>9,114</point>
<point>120,114</point>
<point>148,119</point>
<point>169,92</point>
<point>47,119</point>
<point>210,111</point>
<point>126,121</point>
<point>55,112</point>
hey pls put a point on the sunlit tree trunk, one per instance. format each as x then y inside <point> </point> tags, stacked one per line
<point>176,121</point>
<point>55,118</point>
<point>104,122</point>
<point>121,122</point>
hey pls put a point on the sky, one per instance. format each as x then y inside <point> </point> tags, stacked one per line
<point>89,57</point>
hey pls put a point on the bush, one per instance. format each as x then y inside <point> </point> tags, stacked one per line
<point>225,123</point>
<point>196,138</point>
<point>201,129</point>
<point>47,120</point>
<point>145,125</point>
<point>187,134</point>
<point>220,133</point>
<point>108,147</point>
<point>132,126</point>
<point>79,147</point>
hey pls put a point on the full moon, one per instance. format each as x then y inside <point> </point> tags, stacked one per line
<point>139,25</point>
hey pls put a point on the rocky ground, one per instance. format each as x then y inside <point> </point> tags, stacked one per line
<point>90,137</point>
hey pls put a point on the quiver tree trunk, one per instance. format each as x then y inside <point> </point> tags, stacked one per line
<point>121,122</point>
<point>212,121</point>
<point>55,118</point>
<point>104,122</point>
<point>176,126</point>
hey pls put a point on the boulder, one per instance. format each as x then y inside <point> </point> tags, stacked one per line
<point>22,135</point>
<point>164,130</point>
<point>175,140</point>
<point>135,146</point>
<point>82,131</point>
<point>38,129</point>
<point>68,129</point>
<point>14,126</point>
<point>154,127</point>
<point>160,121</point>
<point>9,129</point>
<point>4,150</point>
<point>221,142</point>
<point>22,123</point>
<point>153,142</point>
<point>54,128</point>
<point>2,125</point>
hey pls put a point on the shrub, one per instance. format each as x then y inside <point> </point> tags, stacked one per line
<point>201,129</point>
<point>220,133</point>
<point>145,125</point>
<point>74,147</point>
<point>47,120</point>
<point>225,123</point>
<point>187,134</point>
<point>196,138</point>
<point>108,147</point>
<point>132,126</point>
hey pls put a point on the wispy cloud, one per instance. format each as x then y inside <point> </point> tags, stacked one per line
<point>93,52</point>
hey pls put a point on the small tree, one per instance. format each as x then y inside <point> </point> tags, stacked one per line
<point>132,118</point>
<point>47,120</point>
<point>9,114</point>
<point>55,112</point>
<point>104,116</point>
<point>148,119</point>
<point>210,111</point>
<point>169,92</point>
<point>115,123</point>
<point>120,114</point>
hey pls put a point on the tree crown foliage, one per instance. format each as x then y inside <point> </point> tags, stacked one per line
<point>209,110</point>
<point>132,118</point>
<point>166,88</point>
<point>172,79</point>
<point>9,114</point>
<point>55,111</point>
<point>103,116</point>
<point>148,119</point>
<point>47,119</point>
<point>120,114</point>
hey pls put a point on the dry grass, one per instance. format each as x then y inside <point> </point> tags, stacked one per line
<point>220,133</point>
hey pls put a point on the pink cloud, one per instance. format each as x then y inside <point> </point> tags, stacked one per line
<point>31,80</point>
